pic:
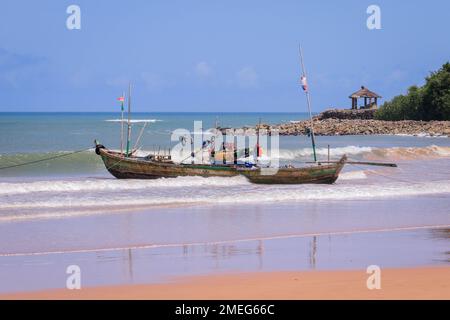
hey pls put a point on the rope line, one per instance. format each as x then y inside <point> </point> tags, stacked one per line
<point>45,159</point>
<point>116,163</point>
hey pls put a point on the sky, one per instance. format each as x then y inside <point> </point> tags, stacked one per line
<point>214,56</point>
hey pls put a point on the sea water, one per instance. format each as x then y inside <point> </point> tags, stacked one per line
<point>72,211</point>
<point>79,184</point>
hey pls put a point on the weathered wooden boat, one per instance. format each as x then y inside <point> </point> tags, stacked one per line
<point>150,167</point>
<point>127,165</point>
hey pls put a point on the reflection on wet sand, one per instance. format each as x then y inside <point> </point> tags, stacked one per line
<point>158,264</point>
<point>443,233</point>
<point>263,255</point>
<point>312,254</point>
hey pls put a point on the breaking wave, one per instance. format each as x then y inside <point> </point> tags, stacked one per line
<point>353,175</point>
<point>393,153</point>
<point>410,153</point>
<point>109,185</point>
<point>286,154</point>
<point>421,135</point>
<point>67,205</point>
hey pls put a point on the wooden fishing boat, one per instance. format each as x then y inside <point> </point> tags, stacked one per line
<point>134,167</point>
<point>127,165</point>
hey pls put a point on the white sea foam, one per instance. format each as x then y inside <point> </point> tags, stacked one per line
<point>11,188</point>
<point>422,135</point>
<point>242,194</point>
<point>334,152</point>
<point>390,153</point>
<point>441,151</point>
<point>353,175</point>
<point>411,153</point>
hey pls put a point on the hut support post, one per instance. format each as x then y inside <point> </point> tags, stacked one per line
<point>224,150</point>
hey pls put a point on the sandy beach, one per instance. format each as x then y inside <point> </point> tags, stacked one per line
<point>401,283</point>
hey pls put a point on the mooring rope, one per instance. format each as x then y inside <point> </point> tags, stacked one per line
<point>45,159</point>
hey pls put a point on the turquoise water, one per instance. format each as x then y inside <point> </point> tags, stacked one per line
<point>45,132</point>
<point>28,137</point>
<point>79,184</point>
<point>76,212</point>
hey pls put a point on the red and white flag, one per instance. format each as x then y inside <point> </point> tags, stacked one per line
<point>121,99</point>
<point>304,83</point>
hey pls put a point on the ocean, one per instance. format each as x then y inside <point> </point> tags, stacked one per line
<point>72,204</point>
<point>79,183</point>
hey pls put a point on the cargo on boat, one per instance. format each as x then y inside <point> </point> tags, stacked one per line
<point>151,167</point>
<point>127,165</point>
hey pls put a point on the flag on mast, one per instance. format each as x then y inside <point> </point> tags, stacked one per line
<point>304,83</point>
<point>121,99</point>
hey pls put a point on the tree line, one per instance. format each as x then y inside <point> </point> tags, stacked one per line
<point>428,102</point>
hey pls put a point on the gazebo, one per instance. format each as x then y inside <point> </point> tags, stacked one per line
<point>368,97</point>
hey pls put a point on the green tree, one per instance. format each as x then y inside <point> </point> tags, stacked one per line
<point>436,99</point>
<point>429,102</point>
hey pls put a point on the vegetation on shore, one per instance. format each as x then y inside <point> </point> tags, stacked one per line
<point>429,102</point>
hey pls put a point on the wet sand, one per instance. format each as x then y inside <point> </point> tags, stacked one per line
<point>402,283</point>
<point>162,265</point>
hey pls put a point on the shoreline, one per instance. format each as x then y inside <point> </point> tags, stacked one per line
<point>429,282</point>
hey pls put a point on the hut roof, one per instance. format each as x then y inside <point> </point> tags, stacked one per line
<point>364,93</point>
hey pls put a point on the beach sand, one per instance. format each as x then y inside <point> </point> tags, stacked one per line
<point>398,283</point>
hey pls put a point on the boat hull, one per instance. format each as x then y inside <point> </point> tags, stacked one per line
<point>311,175</point>
<point>134,168</point>
<point>137,168</point>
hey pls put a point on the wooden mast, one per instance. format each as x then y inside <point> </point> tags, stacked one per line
<point>308,100</point>
<point>257,139</point>
<point>121,125</point>
<point>129,121</point>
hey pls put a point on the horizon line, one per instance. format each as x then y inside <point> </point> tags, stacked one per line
<point>210,112</point>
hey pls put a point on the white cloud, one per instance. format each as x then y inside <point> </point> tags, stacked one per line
<point>203,69</point>
<point>247,78</point>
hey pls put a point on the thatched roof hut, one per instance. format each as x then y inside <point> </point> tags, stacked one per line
<point>368,97</point>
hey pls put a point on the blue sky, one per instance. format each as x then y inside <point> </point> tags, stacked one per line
<point>213,56</point>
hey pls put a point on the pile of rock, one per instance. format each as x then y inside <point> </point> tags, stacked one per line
<point>330,126</point>
<point>363,114</point>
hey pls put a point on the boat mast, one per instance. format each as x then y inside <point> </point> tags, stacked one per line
<point>308,100</point>
<point>121,124</point>
<point>257,139</point>
<point>129,120</point>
